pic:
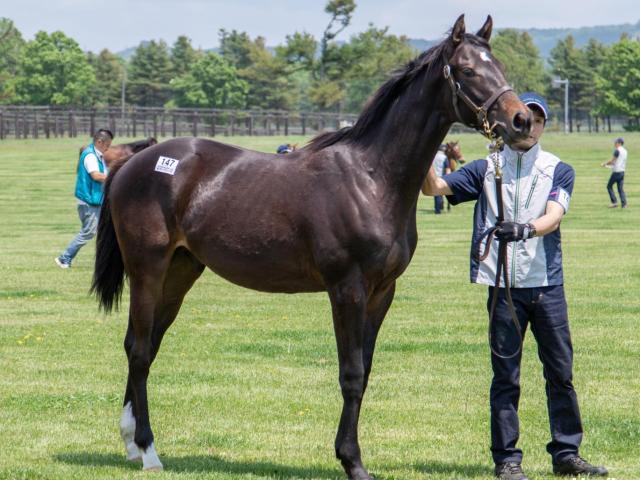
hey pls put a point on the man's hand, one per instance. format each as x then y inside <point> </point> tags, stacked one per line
<point>513,232</point>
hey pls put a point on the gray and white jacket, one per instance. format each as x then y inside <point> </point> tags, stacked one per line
<point>530,180</point>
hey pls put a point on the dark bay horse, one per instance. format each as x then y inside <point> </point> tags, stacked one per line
<point>124,151</point>
<point>338,215</point>
<point>454,155</point>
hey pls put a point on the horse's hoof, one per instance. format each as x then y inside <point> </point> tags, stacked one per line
<point>360,474</point>
<point>133,452</point>
<point>150,460</point>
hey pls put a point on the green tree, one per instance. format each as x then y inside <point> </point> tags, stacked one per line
<point>149,74</point>
<point>211,82</point>
<point>522,62</point>
<point>370,57</point>
<point>11,47</point>
<point>619,80</point>
<point>568,61</point>
<point>341,12</point>
<point>595,53</point>
<point>55,71</point>
<point>109,70</point>
<point>183,55</point>
<point>299,51</point>
<point>270,86</point>
<point>328,88</point>
<point>235,47</point>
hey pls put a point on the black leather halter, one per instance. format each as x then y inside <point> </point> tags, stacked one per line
<point>481,112</point>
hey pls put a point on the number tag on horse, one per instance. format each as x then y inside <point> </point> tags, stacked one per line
<point>167,165</point>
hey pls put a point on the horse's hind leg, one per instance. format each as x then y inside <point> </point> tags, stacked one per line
<point>155,302</point>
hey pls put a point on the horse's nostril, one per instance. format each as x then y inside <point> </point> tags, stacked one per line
<point>520,122</point>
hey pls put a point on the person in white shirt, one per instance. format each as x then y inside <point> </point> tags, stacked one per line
<point>441,167</point>
<point>618,164</point>
<point>91,174</point>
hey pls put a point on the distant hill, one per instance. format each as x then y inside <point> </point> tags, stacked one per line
<point>544,38</point>
<point>547,38</point>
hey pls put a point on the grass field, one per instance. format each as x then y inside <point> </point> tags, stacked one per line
<point>245,385</point>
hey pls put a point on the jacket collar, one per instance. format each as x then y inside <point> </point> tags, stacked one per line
<point>528,157</point>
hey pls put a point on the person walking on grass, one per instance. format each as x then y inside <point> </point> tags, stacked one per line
<point>537,188</point>
<point>618,164</point>
<point>91,174</point>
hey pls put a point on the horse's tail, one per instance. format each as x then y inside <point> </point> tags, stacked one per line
<point>108,274</point>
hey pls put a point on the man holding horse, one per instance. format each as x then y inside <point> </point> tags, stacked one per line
<point>536,188</point>
<point>91,174</point>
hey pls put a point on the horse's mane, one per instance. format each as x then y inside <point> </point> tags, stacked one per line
<point>431,61</point>
<point>141,144</point>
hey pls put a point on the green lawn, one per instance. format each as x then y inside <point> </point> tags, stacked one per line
<point>245,385</point>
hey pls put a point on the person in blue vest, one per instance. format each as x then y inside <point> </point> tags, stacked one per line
<point>536,191</point>
<point>92,172</point>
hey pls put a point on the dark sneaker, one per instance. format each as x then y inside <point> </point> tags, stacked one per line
<point>510,471</point>
<point>61,264</point>
<point>577,465</point>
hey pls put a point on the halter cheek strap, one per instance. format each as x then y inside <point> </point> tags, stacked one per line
<point>481,112</point>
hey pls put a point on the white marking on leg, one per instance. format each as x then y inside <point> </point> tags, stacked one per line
<point>128,431</point>
<point>150,460</point>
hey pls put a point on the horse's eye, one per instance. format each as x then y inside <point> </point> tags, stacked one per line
<point>468,72</point>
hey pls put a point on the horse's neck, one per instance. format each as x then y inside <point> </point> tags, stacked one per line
<point>408,139</point>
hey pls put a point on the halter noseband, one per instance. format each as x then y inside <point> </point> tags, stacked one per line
<point>481,112</point>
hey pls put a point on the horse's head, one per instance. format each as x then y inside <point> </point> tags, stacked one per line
<point>480,96</point>
<point>452,151</point>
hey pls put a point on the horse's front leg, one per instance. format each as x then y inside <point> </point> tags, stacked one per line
<point>348,302</point>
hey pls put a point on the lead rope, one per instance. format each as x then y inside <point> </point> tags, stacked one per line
<point>496,145</point>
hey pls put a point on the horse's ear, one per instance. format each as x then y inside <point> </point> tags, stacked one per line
<point>485,31</point>
<point>458,30</point>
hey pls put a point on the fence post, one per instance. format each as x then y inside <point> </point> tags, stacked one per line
<point>213,124</point>
<point>16,124</point>
<point>174,126</point>
<point>36,127</point>
<point>194,129</point>
<point>1,125</point>
<point>155,124</point>
<point>232,120</point>
<point>25,124</point>
<point>92,122</point>
<point>286,124</point>
<point>134,127</point>
<point>303,120</point>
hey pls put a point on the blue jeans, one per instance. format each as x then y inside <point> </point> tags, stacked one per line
<point>545,308</point>
<point>617,178</point>
<point>89,216</point>
<point>438,203</point>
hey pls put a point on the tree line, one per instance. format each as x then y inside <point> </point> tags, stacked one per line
<point>304,73</point>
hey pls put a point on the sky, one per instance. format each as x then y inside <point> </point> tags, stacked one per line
<point>120,24</point>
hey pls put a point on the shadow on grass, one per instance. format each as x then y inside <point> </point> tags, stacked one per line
<point>454,470</point>
<point>203,464</point>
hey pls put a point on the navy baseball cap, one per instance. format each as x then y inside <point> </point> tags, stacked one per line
<point>532,99</point>
<point>284,149</point>
<point>620,140</point>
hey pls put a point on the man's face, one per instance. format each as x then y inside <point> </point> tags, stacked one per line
<point>537,128</point>
<point>103,145</point>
